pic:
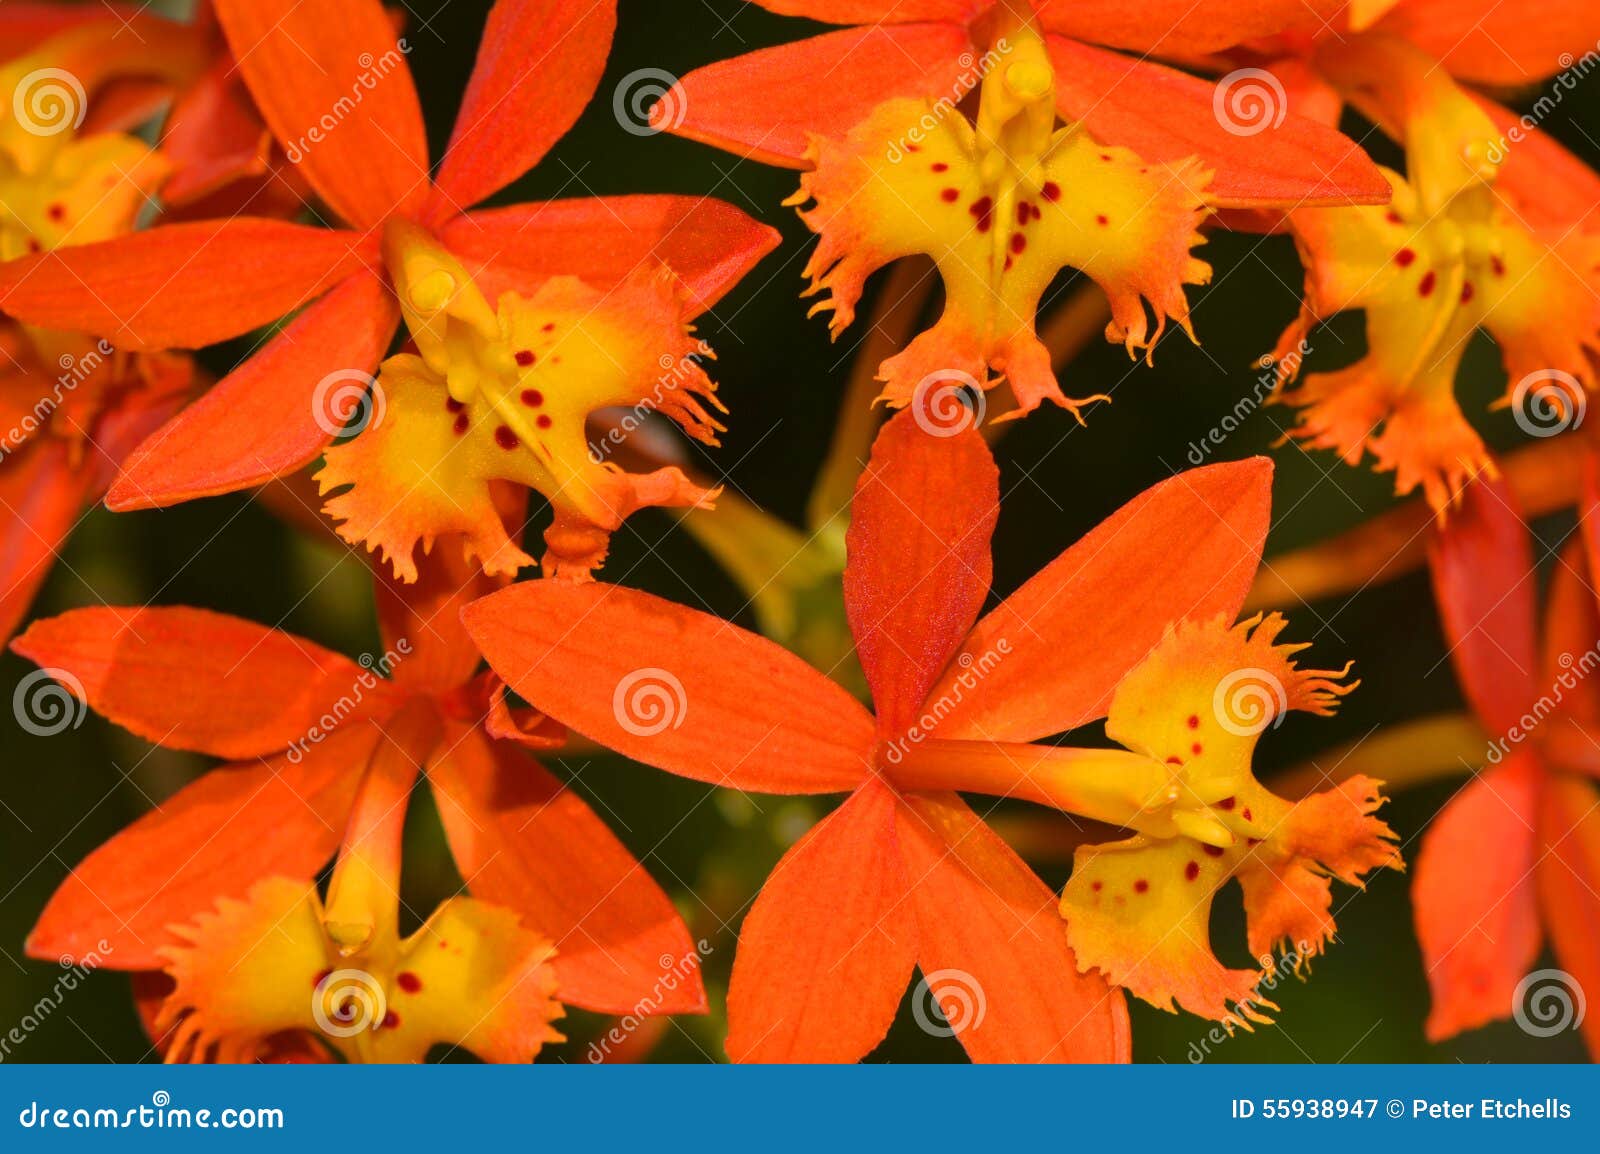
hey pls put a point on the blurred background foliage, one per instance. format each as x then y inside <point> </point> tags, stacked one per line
<point>63,795</point>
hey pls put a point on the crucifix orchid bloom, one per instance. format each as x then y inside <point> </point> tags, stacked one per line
<point>334,87</point>
<point>897,161</point>
<point>905,873</point>
<point>217,887</point>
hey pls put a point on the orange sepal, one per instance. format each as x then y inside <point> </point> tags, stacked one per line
<point>43,498</point>
<point>919,563</point>
<point>1485,42</point>
<point>1569,889</point>
<point>992,948</point>
<point>1475,897</point>
<point>193,679</point>
<point>538,64</point>
<point>273,413</point>
<point>308,64</point>
<point>827,949</point>
<point>1106,601</point>
<point>673,687</point>
<point>214,838</point>
<point>523,840</point>
<point>1180,27</point>
<point>180,286</point>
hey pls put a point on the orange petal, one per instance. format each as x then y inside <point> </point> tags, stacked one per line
<point>708,244</point>
<point>992,948</point>
<point>1169,116</point>
<point>1485,42</point>
<point>180,286</point>
<point>523,840</point>
<point>193,679</point>
<point>673,687</point>
<point>877,11</point>
<point>827,949</point>
<point>1569,882</point>
<point>273,413</point>
<point>1179,27</point>
<point>41,499</point>
<point>538,64</point>
<point>1474,897</point>
<point>1071,633</point>
<point>919,564</point>
<point>1547,184</point>
<point>1486,587</point>
<point>308,65</point>
<point>425,617</point>
<point>766,105</point>
<point>214,838</point>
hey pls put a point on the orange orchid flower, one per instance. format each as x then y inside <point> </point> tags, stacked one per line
<point>217,887</point>
<point>508,305</point>
<point>1004,200</point>
<point>1514,858</point>
<point>904,872</point>
<point>1491,228</point>
<point>72,407</point>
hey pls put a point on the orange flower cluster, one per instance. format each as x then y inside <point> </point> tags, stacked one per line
<point>428,377</point>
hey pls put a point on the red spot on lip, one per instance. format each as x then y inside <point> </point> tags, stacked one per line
<point>525,357</point>
<point>1227,803</point>
<point>57,211</point>
<point>1194,721</point>
<point>408,981</point>
<point>1008,263</point>
<point>1051,191</point>
<point>940,166</point>
<point>1192,870</point>
<point>1018,242</point>
<point>1024,212</point>
<point>452,405</point>
<point>533,398</point>
<point>390,1020</point>
<point>505,438</point>
<point>982,210</point>
<point>1466,292</point>
<point>950,195</point>
<point>1140,886</point>
<point>1213,850</point>
<point>1174,761</point>
<point>1096,886</point>
<point>544,421</point>
<point>34,245</point>
<point>1498,265</point>
<point>913,148</point>
<point>548,327</point>
<point>1197,749</point>
<point>1246,814</point>
<point>1404,257</point>
<point>1106,156</point>
<point>461,423</point>
<point>1394,217</point>
<point>1425,286</point>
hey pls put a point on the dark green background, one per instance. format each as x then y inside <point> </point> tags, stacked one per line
<point>782,380</point>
